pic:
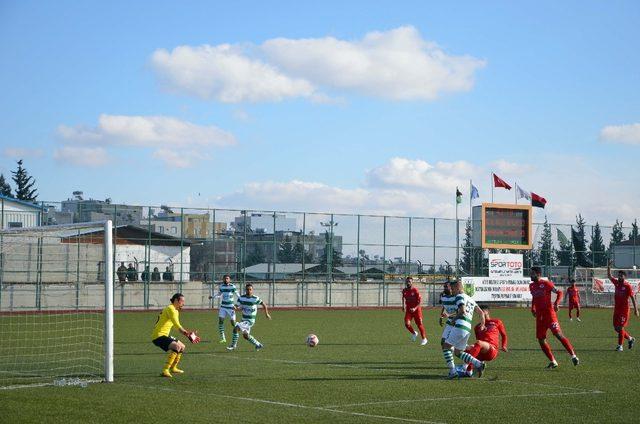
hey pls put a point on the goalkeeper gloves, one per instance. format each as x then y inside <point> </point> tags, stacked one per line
<point>193,337</point>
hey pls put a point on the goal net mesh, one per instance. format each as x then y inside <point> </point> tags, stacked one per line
<point>52,304</point>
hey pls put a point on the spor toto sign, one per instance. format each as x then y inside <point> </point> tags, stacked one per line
<point>505,265</point>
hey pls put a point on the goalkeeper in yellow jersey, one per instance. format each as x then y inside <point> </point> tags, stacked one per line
<point>161,338</point>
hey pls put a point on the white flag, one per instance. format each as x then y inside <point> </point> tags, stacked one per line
<point>522,194</point>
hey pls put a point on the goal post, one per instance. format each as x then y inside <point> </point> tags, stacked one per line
<point>56,305</point>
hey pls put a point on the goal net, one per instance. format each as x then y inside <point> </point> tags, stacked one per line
<point>56,304</point>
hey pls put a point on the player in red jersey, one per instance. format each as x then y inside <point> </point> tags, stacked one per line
<point>623,293</point>
<point>573,295</point>
<point>412,310</point>
<point>486,346</point>
<point>545,314</point>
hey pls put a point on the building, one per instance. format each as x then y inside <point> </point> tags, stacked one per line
<point>63,254</point>
<point>16,213</point>
<point>188,225</point>
<point>100,210</point>
<point>264,223</point>
<point>626,254</point>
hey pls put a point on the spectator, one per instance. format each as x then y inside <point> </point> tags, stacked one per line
<point>155,275</point>
<point>167,275</point>
<point>132,273</point>
<point>122,273</point>
<point>145,274</point>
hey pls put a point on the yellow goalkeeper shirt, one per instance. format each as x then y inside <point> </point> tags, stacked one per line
<point>166,320</point>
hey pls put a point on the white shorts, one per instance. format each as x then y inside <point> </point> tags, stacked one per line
<point>244,326</point>
<point>458,338</point>
<point>446,331</point>
<point>224,312</point>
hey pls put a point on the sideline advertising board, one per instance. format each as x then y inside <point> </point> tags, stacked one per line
<point>505,265</point>
<point>604,285</point>
<point>488,289</point>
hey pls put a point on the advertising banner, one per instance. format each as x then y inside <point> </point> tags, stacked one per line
<point>505,265</point>
<point>487,289</point>
<point>604,285</point>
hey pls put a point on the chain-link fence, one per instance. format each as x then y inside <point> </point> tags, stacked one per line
<point>301,258</point>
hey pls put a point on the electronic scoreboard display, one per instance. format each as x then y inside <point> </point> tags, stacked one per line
<point>506,226</point>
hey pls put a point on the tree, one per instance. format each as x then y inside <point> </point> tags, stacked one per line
<point>336,257</point>
<point>256,256</point>
<point>633,235</point>
<point>24,183</point>
<point>5,188</point>
<point>286,254</point>
<point>299,253</point>
<point>617,236</point>
<point>544,254</point>
<point>565,253</point>
<point>466,263</point>
<point>579,240</point>
<point>597,248</point>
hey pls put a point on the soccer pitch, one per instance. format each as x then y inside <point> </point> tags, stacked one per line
<point>365,369</point>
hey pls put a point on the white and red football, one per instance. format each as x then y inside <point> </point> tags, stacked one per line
<point>312,340</point>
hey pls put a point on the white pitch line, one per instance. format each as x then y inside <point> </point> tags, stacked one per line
<point>351,405</point>
<point>286,404</point>
<point>286,361</point>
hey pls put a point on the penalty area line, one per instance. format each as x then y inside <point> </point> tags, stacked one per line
<point>285,404</point>
<point>351,405</point>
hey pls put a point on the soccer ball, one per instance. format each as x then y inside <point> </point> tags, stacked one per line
<point>312,340</point>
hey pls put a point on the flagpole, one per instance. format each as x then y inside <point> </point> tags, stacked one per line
<point>515,193</point>
<point>471,200</point>
<point>491,186</point>
<point>457,236</point>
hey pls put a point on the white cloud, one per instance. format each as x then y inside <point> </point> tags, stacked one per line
<point>225,74</point>
<point>414,187</point>
<point>504,167</point>
<point>23,153</point>
<point>81,156</point>
<point>442,177</point>
<point>165,134</point>
<point>397,64</point>
<point>625,134</point>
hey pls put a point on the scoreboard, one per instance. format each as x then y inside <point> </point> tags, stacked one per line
<point>503,226</point>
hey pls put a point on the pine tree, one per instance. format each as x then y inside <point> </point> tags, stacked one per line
<point>617,236</point>
<point>597,248</point>
<point>564,254</point>
<point>578,237</point>
<point>24,183</point>
<point>633,235</point>
<point>286,254</point>
<point>299,253</point>
<point>466,263</point>
<point>336,257</point>
<point>544,254</point>
<point>5,188</point>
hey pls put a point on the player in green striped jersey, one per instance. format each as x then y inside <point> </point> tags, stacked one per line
<point>227,292</point>
<point>459,334</point>
<point>248,304</point>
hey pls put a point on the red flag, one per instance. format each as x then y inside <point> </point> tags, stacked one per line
<point>499,182</point>
<point>538,201</point>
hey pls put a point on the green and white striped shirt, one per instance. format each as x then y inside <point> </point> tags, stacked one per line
<point>450,307</point>
<point>469,304</point>
<point>227,293</point>
<point>249,306</point>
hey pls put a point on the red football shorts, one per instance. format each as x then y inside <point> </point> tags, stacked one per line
<point>620,319</point>
<point>490,355</point>
<point>545,322</point>
<point>573,304</point>
<point>416,316</point>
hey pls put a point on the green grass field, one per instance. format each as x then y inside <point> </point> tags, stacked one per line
<point>364,370</point>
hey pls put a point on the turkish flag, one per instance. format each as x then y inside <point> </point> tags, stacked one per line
<point>499,182</point>
<point>538,201</point>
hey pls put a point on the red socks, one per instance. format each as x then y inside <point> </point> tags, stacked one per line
<point>567,345</point>
<point>547,351</point>
<point>423,333</point>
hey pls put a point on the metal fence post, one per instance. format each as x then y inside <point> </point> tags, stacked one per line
<point>358,265</point>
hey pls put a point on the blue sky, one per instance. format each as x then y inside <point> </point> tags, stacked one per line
<point>357,107</point>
